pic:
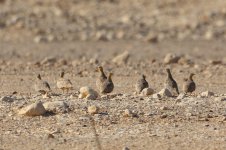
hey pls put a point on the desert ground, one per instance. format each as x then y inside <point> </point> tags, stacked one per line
<point>46,37</point>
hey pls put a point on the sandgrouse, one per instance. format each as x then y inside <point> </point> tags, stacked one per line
<point>64,84</point>
<point>42,86</point>
<point>104,83</point>
<point>170,83</point>
<point>141,84</point>
<point>189,85</point>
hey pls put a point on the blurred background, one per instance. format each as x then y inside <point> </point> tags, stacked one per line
<point>110,20</point>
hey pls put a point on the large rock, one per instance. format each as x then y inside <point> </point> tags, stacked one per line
<point>88,93</point>
<point>56,107</point>
<point>35,109</point>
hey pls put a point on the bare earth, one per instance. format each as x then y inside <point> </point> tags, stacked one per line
<point>194,122</point>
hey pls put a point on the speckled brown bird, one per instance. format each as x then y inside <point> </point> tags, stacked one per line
<point>64,84</point>
<point>189,85</point>
<point>104,83</point>
<point>170,83</point>
<point>41,86</point>
<point>141,84</point>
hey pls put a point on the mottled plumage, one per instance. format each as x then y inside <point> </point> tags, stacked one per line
<point>64,84</point>
<point>104,83</point>
<point>41,86</point>
<point>189,85</point>
<point>141,84</point>
<point>170,83</point>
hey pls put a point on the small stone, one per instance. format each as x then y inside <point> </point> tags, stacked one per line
<point>181,96</point>
<point>208,35</point>
<point>164,108</point>
<point>88,93</point>
<point>122,58</point>
<point>50,136</point>
<point>156,96</point>
<point>125,148</point>
<point>147,91</point>
<point>39,39</point>
<point>35,109</point>
<point>171,58</point>
<point>165,93</point>
<point>93,109</point>
<point>7,99</point>
<point>128,113</point>
<point>163,116</point>
<point>207,94</point>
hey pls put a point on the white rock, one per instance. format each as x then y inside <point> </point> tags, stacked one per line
<point>35,109</point>
<point>93,109</point>
<point>147,91</point>
<point>121,59</point>
<point>171,58</point>
<point>207,94</point>
<point>7,99</point>
<point>181,96</point>
<point>88,93</point>
<point>165,93</point>
<point>56,107</point>
<point>156,96</point>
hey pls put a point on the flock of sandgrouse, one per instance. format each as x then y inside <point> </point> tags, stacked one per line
<point>105,84</point>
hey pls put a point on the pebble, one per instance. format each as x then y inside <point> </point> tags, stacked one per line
<point>171,58</point>
<point>164,108</point>
<point>147,91</point>
<point>121,58</point>
<point>128,113</point>
<point>207,94</point>
<point>88,93</point>
<point>125,148</point>
<point>181,96</point>
<point>93,109</point>
<point>165,93</point>
<point>163,116</point>
<point>156,96</point>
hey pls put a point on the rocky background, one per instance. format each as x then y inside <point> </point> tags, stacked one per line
<point>108,20</point>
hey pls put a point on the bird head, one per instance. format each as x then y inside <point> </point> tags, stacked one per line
<point>110,75</point>
<point>62,74</point>
<point>39,77</point>
<point>100,68</point>
<point>191,75</point>
<point>143,76</point>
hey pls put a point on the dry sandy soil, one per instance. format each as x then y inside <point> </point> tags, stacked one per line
<point>76,36</point>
